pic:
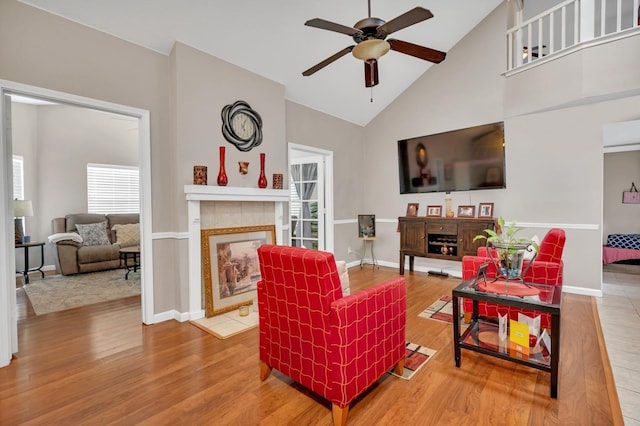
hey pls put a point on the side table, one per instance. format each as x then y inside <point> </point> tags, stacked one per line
<point>549,300</point>
<point>130,259</point>
<point>26,270</point>
<point>369,240</point>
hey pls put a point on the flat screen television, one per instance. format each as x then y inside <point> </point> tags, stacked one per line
<point>458,160</point>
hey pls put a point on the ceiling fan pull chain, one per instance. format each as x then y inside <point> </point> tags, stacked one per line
<point>372,95</point>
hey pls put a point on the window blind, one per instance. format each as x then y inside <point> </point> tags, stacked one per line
<point>18,177</point>
<point>113,189</point>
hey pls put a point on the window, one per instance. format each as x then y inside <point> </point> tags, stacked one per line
<point>113,189</point>
<point>18,177</point>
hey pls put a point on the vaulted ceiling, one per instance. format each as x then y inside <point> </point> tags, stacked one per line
<point>269,38</point>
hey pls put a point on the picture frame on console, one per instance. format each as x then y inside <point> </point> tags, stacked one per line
<point>230,265</point>
<point>412,209</point>
<point>485,210</point>
<point>434,211</point>
<point>466,211</point>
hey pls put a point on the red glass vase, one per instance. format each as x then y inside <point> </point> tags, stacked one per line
<point>222,174</point>
<point>262,181</point>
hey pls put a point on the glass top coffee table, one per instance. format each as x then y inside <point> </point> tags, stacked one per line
<point>481,335</point>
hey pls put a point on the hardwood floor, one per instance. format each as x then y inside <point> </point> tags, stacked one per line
<point>99,365</point>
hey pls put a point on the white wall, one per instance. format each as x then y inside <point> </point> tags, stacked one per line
<point>553,131</point>
<point>465,90</point>
<point>44,50</point>
<point>201,86</point>
<point>346,140</point>
<point>554,160</point>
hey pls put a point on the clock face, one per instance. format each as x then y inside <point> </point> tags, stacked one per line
<point>241,126</point>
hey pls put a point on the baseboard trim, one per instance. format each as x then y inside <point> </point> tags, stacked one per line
<point>176,315</point>
<point>581,290</point>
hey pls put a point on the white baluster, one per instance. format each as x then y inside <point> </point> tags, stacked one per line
<point>619,16</point>
<point>563,29</point>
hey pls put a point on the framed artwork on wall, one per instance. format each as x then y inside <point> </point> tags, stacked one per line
<point>230,265</point>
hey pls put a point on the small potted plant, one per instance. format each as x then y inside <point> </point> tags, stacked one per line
<point>509,246</point>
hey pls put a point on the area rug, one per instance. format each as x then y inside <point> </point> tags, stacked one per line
<point>416,357</point>
<point>59,292</point>
<point>228,324</point>
<point>440,310</point>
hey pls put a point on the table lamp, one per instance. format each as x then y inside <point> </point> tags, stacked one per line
<point>21,208</point>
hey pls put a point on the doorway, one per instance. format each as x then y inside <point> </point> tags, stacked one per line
<point>8,317</point>
<point>621,167</point>
<point>311,206</point>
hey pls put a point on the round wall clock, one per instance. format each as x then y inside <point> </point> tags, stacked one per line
<point>241,126</point>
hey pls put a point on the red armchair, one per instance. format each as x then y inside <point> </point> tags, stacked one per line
<point>546,268</point>
<point>336,346</point>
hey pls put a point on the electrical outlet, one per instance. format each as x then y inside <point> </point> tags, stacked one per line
<point>349,250</point>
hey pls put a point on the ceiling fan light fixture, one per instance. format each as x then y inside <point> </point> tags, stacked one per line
<point>371,49</point>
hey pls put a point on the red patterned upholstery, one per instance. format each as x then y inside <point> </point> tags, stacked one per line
<point>545,269</point>
<point>336,346</point>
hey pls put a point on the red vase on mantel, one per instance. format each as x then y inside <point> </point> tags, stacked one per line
<point>262,181</point>
<point>222,174</point>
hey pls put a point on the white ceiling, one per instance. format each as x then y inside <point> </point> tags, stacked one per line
<point>269,38</point>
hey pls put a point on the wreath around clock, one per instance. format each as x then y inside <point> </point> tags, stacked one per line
<point>229,112</point>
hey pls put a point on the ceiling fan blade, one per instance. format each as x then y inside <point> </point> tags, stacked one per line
<point>332,26</point>
<point>411,17</point>
<point>327,61</point>
<point>417,51</point>
<point>370,73</point>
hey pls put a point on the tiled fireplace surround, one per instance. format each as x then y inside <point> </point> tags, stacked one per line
<point>211,207</point>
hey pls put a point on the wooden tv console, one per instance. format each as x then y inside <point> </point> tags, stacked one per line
<point>440,238</point>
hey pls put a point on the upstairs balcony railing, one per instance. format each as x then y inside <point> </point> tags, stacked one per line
<point>566,25</point>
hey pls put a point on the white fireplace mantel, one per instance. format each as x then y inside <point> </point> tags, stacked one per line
<point>197,193</point>
<point>227,193</point>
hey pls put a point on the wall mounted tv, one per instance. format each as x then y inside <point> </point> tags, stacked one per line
<point>459,160</point>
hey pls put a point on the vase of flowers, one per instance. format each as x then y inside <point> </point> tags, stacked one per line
<point>509,246</point>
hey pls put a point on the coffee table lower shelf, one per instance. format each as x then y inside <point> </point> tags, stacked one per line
<point>472,337</point>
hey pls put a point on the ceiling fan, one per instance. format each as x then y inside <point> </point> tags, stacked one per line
<point>370,34</point>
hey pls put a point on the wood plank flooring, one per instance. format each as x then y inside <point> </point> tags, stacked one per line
<point>100,365</point>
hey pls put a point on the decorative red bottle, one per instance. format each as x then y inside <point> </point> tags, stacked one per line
<point>262,181</point>
<point>222,174</point>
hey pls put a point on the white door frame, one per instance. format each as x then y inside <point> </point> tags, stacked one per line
<point>328,187</point>
<point>8,316</point>
<point>319,160</point>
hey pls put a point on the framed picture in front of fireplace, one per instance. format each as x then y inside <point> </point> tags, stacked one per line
<point>230,265</point>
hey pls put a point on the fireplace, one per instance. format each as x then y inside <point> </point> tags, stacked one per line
<point>211,206</point>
